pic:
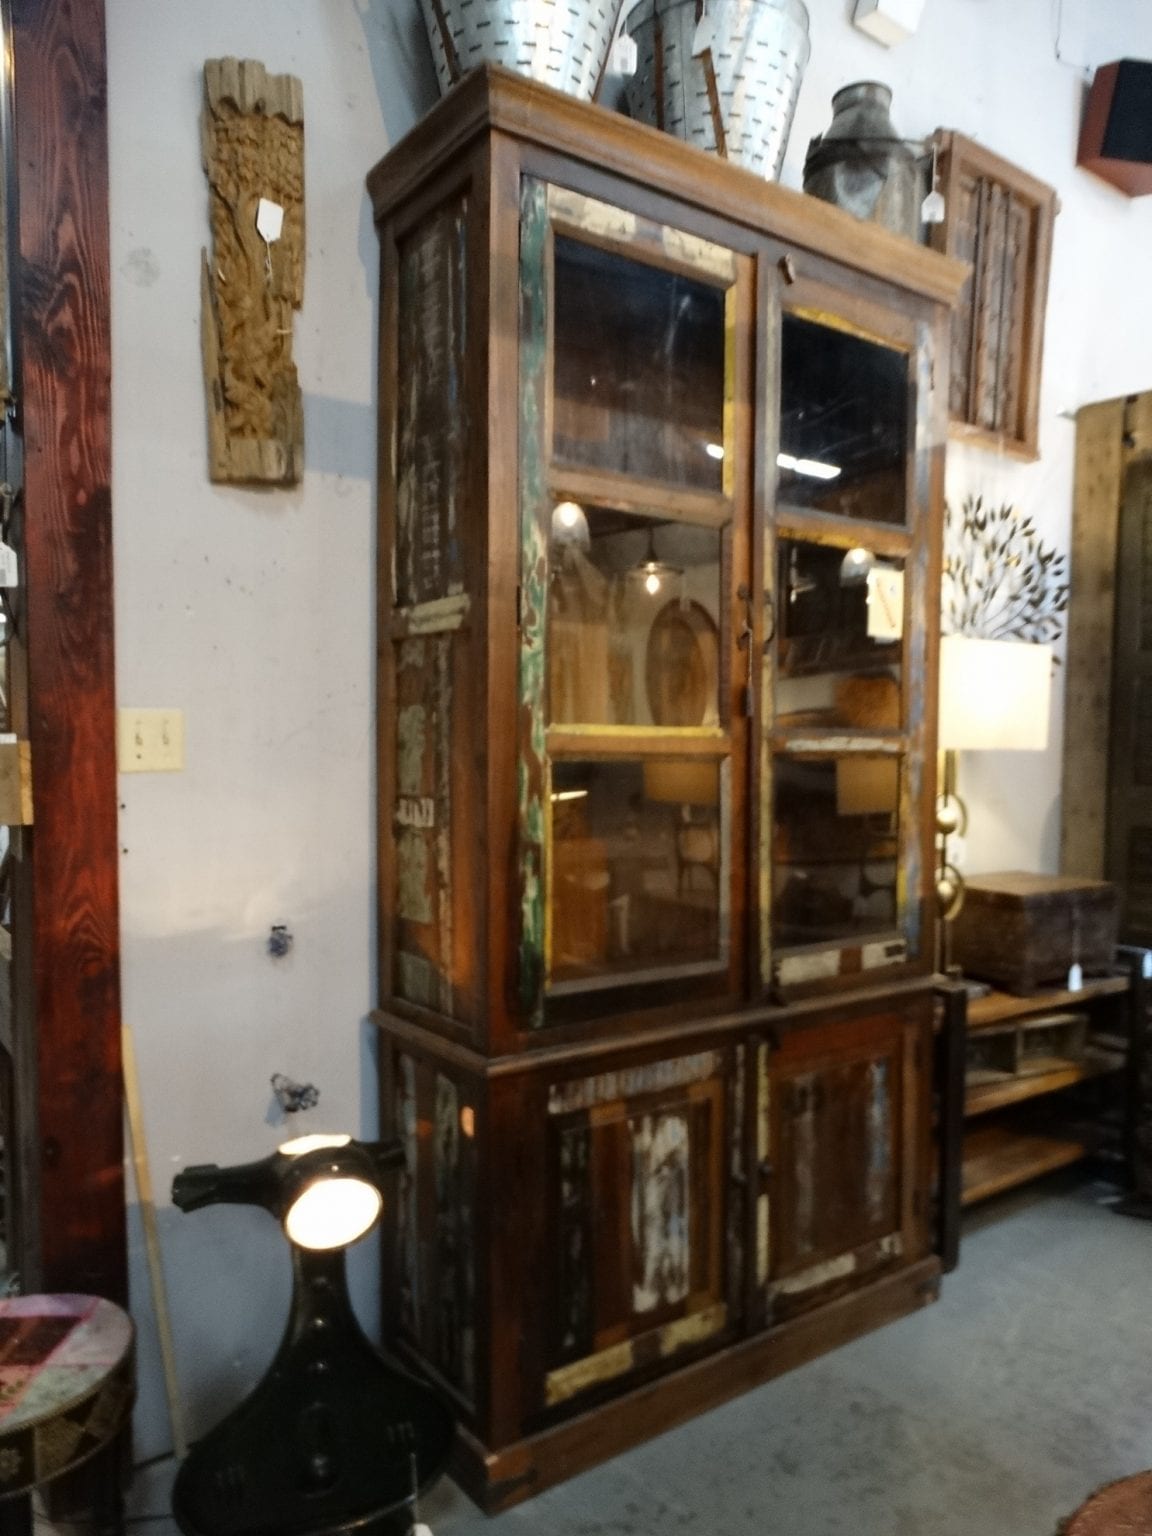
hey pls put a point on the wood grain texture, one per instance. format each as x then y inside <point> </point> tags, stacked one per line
<point>1091,614</point>
<point>536,114</point>
<point>1000,219</point>
<point>252,132</point>
<point>68,1024</point>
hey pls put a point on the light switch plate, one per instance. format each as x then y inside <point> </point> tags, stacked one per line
<point>150,740</point>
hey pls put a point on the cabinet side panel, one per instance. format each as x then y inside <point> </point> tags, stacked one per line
<point>432,1263</point>
<point>429,795</point>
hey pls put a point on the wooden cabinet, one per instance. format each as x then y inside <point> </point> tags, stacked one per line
<point>661,454</point>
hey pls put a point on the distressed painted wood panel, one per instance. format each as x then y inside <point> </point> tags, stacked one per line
<point>422,822</point>
<point>432,407</point>
<point>532,777</point>
<point>435,1220</point>
<point>252,138</point>
<point>642,1223</point>
<point>840,1160</point>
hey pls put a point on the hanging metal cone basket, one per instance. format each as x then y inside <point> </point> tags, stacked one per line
<point>563,43</point>
<point>738,95</point>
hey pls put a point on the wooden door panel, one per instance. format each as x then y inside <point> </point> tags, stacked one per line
<point>846,1161</point>
<point>638,1192</point>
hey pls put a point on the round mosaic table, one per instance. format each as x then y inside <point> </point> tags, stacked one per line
<point>1120,1509</point>
<point>66,1390</point>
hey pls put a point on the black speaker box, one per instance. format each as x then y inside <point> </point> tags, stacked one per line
<point>1116,137</point>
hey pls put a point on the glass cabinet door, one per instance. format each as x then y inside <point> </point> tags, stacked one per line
<point>843,742</point>
<point>633,545</point>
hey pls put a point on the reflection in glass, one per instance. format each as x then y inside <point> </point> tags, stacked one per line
<point>835,847</point>
<point>832,669</point>
<point>633,611</point>
<point>639,368</point>
<point>638,869</point>
<point>844,405</point>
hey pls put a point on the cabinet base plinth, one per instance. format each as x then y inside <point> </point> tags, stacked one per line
<point>497,1480</point>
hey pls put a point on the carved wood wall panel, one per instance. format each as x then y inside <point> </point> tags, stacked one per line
<point>252,133</point>
<point>1000,220</point>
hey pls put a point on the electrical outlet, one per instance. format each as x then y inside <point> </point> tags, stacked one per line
<point>151,740</point>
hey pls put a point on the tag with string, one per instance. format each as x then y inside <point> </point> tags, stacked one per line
<point>269,226</point>
<point>704,34</point>
<point>625,55</point>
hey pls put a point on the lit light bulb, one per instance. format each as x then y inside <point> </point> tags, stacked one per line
<point>714,450</point>
<point>567,514</point>
<point>652,583</point>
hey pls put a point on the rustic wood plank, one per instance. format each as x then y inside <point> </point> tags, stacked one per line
<point>537,114</point>
<point>69,1046</point>
<point>998,1158</point>
<point>1091,616</point>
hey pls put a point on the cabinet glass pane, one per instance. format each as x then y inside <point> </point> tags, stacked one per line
<point>633,620</point>
<point>835,847</point>
<point>637,866</point>
<point>844,409</point>
<point>838,638</point>
<point>639,368</point>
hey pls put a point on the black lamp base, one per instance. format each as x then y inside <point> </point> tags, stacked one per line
<point>333,1440</point>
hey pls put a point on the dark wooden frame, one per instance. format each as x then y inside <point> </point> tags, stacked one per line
<point>961,159</point>
<point>66,958</point>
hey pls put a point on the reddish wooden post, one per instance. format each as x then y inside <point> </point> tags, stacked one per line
<point>67,1003</point>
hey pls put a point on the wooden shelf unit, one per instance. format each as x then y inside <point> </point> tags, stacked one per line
<point>1006,1149</point>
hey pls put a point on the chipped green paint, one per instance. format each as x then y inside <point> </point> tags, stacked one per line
<point>532,781</point>
<point>412,899</point>
<point>410,738</point>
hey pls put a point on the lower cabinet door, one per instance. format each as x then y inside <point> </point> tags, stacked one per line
<point>842,1129</point>
<point>644,1176</point>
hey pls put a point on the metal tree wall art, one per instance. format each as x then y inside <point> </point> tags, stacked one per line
<point>1001,581</point>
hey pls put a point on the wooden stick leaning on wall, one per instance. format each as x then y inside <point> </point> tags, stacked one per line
<point>139,1149</point>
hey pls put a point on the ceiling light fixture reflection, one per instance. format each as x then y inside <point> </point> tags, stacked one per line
<point>570,794</point>
<point>714,450</point>
<point>570,524</point>
<point>813,468</point>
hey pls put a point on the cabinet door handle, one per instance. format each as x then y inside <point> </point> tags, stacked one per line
<point>769,620</point>
<point>744,641</point>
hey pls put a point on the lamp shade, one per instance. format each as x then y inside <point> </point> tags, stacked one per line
<point>994,694</point>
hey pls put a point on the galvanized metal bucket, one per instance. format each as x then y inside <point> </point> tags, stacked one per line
<point>563,43</point>
<point>736,96</point>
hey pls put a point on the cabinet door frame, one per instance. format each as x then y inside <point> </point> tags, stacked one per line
<point>891,318</point>
<point>904,1039</point>
<point>549,209</point>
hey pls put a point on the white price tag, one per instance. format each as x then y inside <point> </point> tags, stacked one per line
<point>9,567</point>
<point>885,603</point>
<point>703,36</point>
<point>1075,977</point>
<point>625,55</point>
<point>269,220</point>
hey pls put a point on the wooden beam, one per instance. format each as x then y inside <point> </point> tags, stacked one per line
<point>68,992</point>
<point>1091,614</point>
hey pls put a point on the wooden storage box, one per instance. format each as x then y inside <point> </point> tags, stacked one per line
<point>1025,931</point>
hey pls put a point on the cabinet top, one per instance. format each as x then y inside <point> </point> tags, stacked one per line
<point>493,99</point>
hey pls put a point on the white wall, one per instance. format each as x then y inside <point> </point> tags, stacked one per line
<point>252,610</point>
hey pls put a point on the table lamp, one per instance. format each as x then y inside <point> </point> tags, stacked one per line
<point>994,696</point>
<point>335,1438</point>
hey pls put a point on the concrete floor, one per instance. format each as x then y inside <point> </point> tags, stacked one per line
<point>993,1413</point>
